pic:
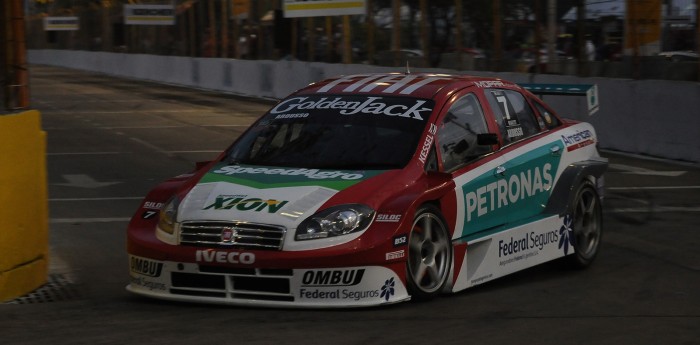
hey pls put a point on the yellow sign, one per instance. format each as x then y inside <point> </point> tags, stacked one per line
<point>321,8</point>
<point>240,9</point>
<point>643,26</point>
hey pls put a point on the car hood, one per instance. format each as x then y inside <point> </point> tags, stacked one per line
<point>265,195</point>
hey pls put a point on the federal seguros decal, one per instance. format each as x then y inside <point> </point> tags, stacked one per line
<point>347,284</point>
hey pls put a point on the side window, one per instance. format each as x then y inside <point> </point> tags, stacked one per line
<point>515,118</point>
<point>458,131</point>
<point>550,121</point>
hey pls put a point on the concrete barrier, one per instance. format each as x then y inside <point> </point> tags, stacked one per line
<point>24,233</point>
<point>650,117</point>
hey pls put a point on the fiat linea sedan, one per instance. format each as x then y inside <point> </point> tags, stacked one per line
<point>372,189</point>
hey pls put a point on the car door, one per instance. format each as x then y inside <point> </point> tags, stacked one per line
<point>529,158</point>
<point>471,164</point>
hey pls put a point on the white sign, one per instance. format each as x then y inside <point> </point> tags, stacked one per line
<point>149,15</point>
<point>320,8</point>
<point>61,23</point>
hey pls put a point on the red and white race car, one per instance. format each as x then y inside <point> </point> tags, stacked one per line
<point>371,189</point>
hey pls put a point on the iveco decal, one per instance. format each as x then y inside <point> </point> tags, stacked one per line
<point>224,257</point>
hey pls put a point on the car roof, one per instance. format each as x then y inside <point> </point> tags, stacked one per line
<point>419,85</point>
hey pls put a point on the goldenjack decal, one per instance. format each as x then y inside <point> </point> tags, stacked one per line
<point>413,109</point>
<point>275,177</point>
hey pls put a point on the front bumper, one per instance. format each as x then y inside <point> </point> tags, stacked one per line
<point>317,288</point>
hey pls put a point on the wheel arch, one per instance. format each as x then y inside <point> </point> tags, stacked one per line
<point>575,174</point>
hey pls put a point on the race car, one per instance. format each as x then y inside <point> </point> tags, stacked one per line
<point>371,189</point>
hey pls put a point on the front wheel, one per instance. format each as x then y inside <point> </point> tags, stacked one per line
<point>586,225</point>
<point>429,254</point>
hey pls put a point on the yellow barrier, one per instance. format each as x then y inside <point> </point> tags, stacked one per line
<point>24,235</point>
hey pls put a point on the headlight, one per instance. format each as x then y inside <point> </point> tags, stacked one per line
<point>168,215</point>
<point>335,221</point>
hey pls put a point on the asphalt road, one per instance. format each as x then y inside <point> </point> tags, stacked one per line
<point>110,140</point>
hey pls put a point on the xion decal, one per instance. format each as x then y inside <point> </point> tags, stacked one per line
<point>395,83</point>
<point>503,192</point>
<point>227,202</point>
<point>370,105</point>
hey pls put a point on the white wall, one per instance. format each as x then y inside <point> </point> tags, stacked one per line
<point>652,117</point>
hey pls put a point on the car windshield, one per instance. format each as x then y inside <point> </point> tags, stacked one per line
<point>357,132</point>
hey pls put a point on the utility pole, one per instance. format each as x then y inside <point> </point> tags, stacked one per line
<point>697,33</point>
<point>581,39</point>
<point>370,31</point>
<point>553,63</point>
<point>458,34</point>
<point>497,45</point>
<point>424,31</point>
<point>15,67</point>
<point>396,32</point>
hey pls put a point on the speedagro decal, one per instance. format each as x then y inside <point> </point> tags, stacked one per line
<point>370,105</point>
<point>310,173</point>
<point>273,177</point>
<point>242,203</point>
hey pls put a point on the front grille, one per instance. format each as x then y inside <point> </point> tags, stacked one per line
<point>248,284</point>
<point>238,235</point>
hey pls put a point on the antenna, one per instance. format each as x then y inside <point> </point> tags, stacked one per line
<point>408,68</point>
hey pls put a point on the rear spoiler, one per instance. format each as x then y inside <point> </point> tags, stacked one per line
<point>588,90</point>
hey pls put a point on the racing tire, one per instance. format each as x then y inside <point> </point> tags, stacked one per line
<point>586,225</point>
<point>429,254</point>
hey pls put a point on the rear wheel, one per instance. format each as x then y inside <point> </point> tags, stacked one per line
<point>586,225</point>
<point>429,254</point>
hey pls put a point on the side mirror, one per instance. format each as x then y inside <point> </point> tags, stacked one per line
<point>487,139</point>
